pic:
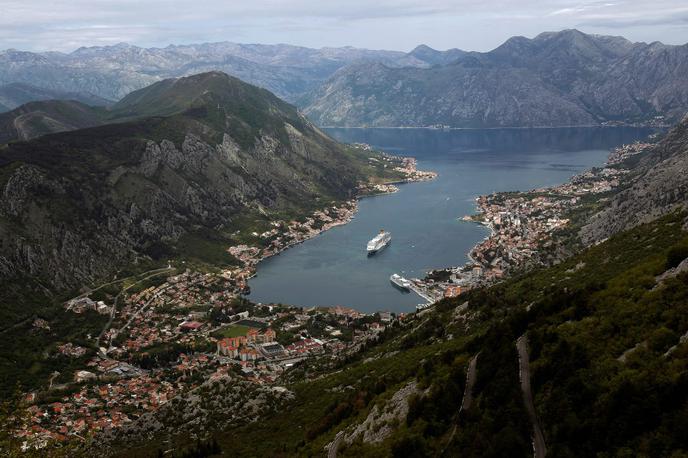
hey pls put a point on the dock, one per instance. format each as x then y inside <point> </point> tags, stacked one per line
<point>421,293</point>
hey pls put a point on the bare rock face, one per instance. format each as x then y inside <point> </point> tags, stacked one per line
<point>660,186</point>
<point>381,422</point>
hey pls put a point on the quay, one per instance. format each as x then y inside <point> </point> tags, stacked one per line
<point>421,293</point>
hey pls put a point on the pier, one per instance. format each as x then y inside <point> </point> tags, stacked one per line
<point>421,293</point>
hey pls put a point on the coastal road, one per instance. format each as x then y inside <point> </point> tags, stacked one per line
<point>539,447</point>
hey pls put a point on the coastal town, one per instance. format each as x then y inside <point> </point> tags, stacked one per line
<point>177,327</point>
<point>523,225</point>
<point>169,338</point>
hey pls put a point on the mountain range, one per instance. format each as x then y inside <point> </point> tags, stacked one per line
<point>591,351</point>
<point>111,72</point>
<point>555,79</point>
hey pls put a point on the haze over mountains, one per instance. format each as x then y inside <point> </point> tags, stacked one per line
<point>112,72</point>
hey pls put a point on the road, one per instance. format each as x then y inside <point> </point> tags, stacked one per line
<point>142,309</point>
<point>539,447</point>
<point>466,400</point>
<point>470,382</point>
<point>149,274</point>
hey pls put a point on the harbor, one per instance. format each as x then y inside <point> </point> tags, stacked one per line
<point>423,217</point>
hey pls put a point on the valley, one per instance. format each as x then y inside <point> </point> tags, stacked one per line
<point>186,263</point>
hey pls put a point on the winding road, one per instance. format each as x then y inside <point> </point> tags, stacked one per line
<point>149,274</point>
<point>539,447</point>
<point>466,400</point>
<point>470,382</point>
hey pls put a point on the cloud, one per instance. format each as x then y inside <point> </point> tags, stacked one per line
<point>475,24</point>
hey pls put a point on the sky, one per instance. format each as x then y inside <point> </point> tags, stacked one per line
<point>474,25</point>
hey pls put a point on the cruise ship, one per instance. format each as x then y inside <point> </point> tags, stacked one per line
<point>378,242</point>
<point>400,282</point>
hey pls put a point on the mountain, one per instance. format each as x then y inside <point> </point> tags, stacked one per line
<point>425,56</point>
<point>175,167</point>
<point>112,72</point>
<point>468,93</point>
<point>555,79</point>
<point>661,187</point>
<point>15,94</point>
<point>35,119</point>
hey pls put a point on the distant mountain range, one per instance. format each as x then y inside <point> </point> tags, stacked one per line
<point>111,72</point>
<point>179,158</point>
<point>556,79</point>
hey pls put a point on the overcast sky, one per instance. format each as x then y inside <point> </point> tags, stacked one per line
<point>383,24</point>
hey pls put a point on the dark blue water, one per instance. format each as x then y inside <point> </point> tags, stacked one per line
<point>333,269</point>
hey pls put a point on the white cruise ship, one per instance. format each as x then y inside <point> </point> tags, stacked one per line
<point>400,282</point>
<point>378,242</point>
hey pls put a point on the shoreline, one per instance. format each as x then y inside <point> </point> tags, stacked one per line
<point>581,126</point>
<point>251,256</point>
<point>523,223</point>
<point>520,224</point>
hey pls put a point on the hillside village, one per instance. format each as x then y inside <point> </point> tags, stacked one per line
<point>522,225</point>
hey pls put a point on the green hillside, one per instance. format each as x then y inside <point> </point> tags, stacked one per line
<point>579,317</point>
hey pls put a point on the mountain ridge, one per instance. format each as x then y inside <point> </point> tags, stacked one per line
<point>114,71</point>
<point>555,79</point>
<point>15,94</point>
